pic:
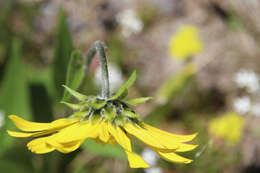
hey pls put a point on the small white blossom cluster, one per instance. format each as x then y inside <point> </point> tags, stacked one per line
<point>151,158</point>
<point>115,77</point>
<point>2,118</point>
<point>130,22</point>
<point>244,105</point>
<point>247,79</point>
<point>250,81</point>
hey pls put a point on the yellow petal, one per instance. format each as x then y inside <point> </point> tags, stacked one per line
<point>144,136</point>
<point>172,157</point>
<point>69,147</point>
<point>135,161</point>
<point>120,137</point>
<point>40,146</point>
<point>79,131</point>
<point>186,147</point>
<point>103,132</point>
<point>33,126</point>
<point>170,136</point>
<point>19,134</point>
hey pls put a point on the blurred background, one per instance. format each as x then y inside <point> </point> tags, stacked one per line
<point>199,60</point>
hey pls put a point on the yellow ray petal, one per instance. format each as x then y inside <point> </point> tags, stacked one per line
<point>19,134</point>
<point>103,132</point>
<point>40,146</point>
<point>186,147</point>
<point>69,147</point>
<point>79,131</point>
<point>172,157</point>
<point>120,136</point>
<point>177,138</point>
<point>145,137</point>
<point>135,161</point>
<point>33,126</point>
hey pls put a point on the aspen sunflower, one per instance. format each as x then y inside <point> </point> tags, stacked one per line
<point>108,120</point>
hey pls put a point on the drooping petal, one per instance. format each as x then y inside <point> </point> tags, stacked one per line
<point>170,136</point>
<point>186,147</point>
<point>135,161</point>
<point>69,147</point>
<point>103,132</point>
<point>40,146</point>
<point>146,137</point>
<point>79,131</point>
<point>29,126</point>
<point>120,136</point>
<point>172,157</point>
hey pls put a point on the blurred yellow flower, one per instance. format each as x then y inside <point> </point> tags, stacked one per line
<point>185,43</point>
<point>229,127</point>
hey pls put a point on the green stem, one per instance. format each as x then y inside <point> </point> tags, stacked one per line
<point>98,48</point>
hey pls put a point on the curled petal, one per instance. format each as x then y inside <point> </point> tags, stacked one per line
<point>40,146</point>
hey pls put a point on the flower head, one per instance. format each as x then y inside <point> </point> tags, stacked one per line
<point>107,120</point>
<point>228,127</point>
<point>185,43</point>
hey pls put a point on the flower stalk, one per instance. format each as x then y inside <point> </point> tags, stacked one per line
<point>98,47</point>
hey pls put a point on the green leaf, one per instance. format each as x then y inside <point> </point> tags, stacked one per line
<point>137,101</point>
<point>75,73</point>
<point>175,84</point>
<point>76,94</point>
<point>124,87</point>
<point>62,52</point>
<point>14,96</point>
<point>107,150</point>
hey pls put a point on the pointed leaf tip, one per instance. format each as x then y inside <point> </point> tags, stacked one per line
<point>125,86</point>
<point>76,94</point>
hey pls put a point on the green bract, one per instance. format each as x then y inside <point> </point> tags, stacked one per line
<point>114,109</point>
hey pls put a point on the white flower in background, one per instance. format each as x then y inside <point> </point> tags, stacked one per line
<point>247,79</point>
<point>153,170</point>
<point>150,157</point>
<point>115,77</point>
<point>2,118</point>
<point>130,22</point>
<point>242,105</point>
<point>256,109</point>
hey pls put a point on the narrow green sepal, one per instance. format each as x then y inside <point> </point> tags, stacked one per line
<point>124,87</point>
<point>109,113</point>
<point>81,114</point>
<point>131,114</point>
<point>76,94</point>
<point>139,100</point>
<point>71,105</point>
<point>96,103</point>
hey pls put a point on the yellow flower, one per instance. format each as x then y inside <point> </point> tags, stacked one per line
<point>106,120</point>
<point>229,127</point>
<point>185,43</point>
